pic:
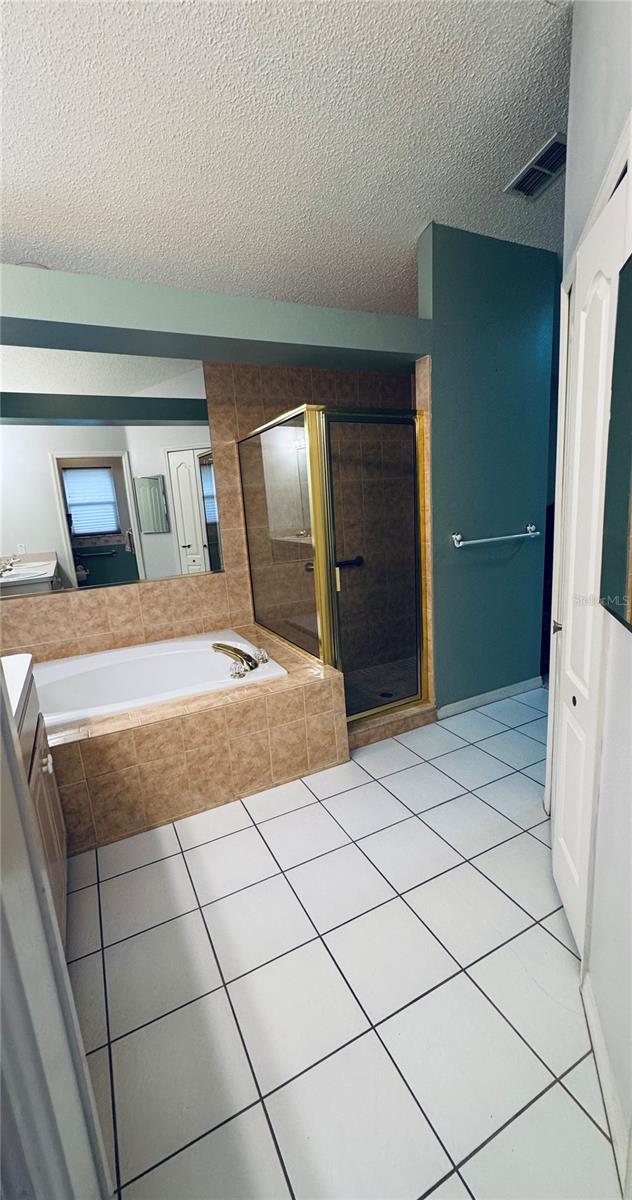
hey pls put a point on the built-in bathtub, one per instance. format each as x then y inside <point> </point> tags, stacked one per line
<point>154,733</point>
<point>99,685</point>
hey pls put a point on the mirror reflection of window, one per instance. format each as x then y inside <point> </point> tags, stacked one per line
<point>91,500</point>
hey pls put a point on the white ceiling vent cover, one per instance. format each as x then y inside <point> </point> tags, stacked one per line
<point>541,170</point>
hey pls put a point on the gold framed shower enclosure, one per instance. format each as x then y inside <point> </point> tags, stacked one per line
<point>306,432</point>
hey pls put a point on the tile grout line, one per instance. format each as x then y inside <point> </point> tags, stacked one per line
<point>361,1007</point>
<point>117,1165</point>
<point>239,1029</point>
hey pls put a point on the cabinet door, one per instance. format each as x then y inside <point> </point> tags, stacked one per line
<point>50,819</point>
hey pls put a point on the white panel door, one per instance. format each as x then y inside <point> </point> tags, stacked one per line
<point>578,672</point>
<point>188,512</point>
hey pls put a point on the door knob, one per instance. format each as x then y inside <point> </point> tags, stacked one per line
<point>47,764</point>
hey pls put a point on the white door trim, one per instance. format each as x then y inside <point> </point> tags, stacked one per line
<point>621,159</point>
<point>47,1095</point>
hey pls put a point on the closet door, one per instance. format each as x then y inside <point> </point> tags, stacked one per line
<point>189,523</point>
<point>579,652</point>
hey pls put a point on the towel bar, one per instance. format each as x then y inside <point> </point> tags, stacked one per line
<point>530,532</point>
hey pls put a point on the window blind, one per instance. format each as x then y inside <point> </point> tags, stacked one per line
<point>91,500</point>
<point>208,493</point>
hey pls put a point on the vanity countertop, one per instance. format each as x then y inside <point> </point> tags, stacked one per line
<point>18,669</point>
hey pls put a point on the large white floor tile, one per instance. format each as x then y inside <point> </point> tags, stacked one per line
<point>452,1189</point>
<point>537,729</point>
<point>223,866</point>
<point>294,1011</point>
<point>298,836</point>
<point>99,1068</point>
<point>337,779</point>
<point>472,726</point>
<point>176,1079</point>
<point>366,809</point>
<point>537,772</point>
<point>273,802</point>
<point>583,1082</point>
<point>214,823</point>
<point>522,868</point>
<point>339,886</point>
<point>408,853</point>
<point>139,899</point>
<point>519,798</point>
<point>82,870</point>
<point>468,1069</point>
<point>389,958</point>
<point>237,1162</point>
<point>513,748</point>
<point>137,851</point>
<point>509,712</point>
<point>535,982</point>
<point>350,1128</point>
<point>382,758</point>
<point>253,926</point>
<point>558,925</point>
<point>469,825</point>
<point>471,767</point>
<point>538,698</point>
<point>158,970</point>
<point>422,787</point>
<point>431,740</point>
<point>543,833</point>
<point>86,977</point>
<point>467,913</point>
<point>82,923</point>
<point>551,1152</point>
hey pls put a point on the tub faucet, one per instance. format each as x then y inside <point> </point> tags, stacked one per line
<point>243,660</point>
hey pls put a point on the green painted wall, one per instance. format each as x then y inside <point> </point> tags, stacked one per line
<point>85,312</point>
<point>46,408</point>
<point>493,349</point>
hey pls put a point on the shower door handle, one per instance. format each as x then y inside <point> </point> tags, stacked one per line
<point>358,561</point>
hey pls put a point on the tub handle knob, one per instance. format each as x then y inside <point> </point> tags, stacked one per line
<point>47,764</point>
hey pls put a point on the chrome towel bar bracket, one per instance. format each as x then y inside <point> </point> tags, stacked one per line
<point>530,532</point>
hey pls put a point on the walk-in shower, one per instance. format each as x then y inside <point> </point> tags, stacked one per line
<point>331,501</point>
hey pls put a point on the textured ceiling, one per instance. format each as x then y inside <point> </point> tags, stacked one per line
<point>282,149</point>
<point>73,373</point>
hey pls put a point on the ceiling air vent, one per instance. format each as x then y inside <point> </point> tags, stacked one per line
<point>541,170</point>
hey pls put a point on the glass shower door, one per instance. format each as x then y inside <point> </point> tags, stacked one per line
<point>374,500</point>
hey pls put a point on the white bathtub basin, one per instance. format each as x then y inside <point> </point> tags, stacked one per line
<point>97,685</point>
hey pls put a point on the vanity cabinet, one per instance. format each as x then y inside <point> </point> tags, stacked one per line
<point>45,796</point>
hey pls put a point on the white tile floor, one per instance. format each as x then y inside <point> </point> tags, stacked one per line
<point>360,985</point>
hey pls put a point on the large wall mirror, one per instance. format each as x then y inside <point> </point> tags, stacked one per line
<point>616,561</point>
<point>107,471</point>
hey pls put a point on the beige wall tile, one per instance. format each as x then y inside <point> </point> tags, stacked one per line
<point>210,779</point>
<point>160,740</point>
<point>47,651</point>
<point>111,752</point>
<point>88,613</point>
<point>285,706</point>
<point>321,741</point>
<point>246,715</point>
<point>67,763</point>
<point>288,749</point>
<point>250,762</point>
<point>80,830</point>
<point>123,606</point>
<point>318,697</point>
<point>165,789</point>
<point>205,733</point>
<point>117,804</point>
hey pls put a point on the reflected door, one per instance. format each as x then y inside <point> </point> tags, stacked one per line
<point>374,500</point>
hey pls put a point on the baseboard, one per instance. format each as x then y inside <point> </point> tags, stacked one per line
<point>618,1127</point>
<point>451,710</point>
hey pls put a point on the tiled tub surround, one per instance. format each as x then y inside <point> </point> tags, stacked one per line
<point>128,773</point>
<point>357,984</point>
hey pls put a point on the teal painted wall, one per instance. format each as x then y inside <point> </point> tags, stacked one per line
<point>85,312</point>
<point>493,349</point>
<point>46,408</point>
